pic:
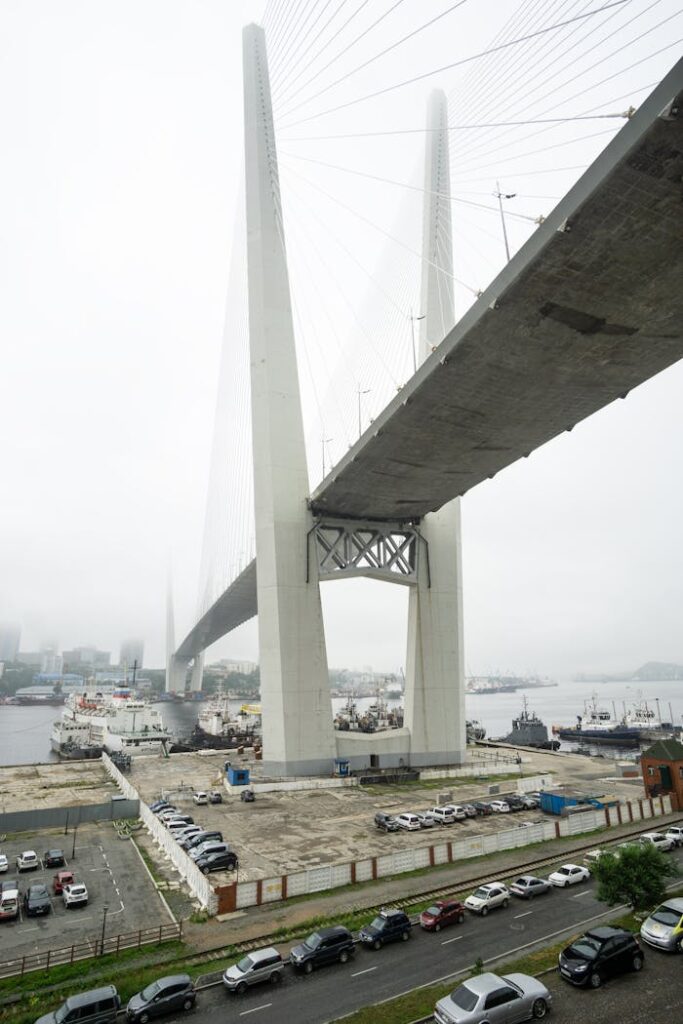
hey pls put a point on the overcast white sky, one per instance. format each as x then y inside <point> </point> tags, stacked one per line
<point>122,135</point>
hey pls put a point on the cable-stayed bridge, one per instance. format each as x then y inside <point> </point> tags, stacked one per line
<point>588,308</point>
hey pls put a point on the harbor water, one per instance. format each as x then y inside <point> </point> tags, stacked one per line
<point>25,731</point>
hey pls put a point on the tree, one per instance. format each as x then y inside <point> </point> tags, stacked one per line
<point>636,875</point>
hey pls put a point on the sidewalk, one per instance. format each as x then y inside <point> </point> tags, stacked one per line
<point>263,920</point>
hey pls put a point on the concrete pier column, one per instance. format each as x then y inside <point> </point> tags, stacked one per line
<point>435,667</point>
<point>298,736</point>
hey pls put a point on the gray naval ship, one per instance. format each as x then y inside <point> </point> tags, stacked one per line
<point>529,731</point>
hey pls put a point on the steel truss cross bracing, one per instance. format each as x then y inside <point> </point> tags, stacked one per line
<point>387,551</point>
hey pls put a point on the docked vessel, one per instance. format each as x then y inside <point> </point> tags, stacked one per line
<point>217,728</point>
<point>529,731</point>
<point>113,721</point>
<point>378,717</point>
<point>475,731</point>
<point>638,724</point>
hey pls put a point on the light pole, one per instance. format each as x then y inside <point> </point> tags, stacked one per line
<point>500,197</point>
<point>105,909</point>
<point>360,393</point>
<point>412,336</point>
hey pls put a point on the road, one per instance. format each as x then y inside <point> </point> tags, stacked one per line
<point>428,958</point>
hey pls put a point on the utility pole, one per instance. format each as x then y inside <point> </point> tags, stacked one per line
<point>412,336</point>
<point>105,910</point>
<point>360,394</point>
<point>500,196</point>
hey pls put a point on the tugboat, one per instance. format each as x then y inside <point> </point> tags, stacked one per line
<point>529,731</point>
<point>475,731</point>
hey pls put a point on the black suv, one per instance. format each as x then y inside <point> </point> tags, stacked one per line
<point>223,860</point>
<point>600,954</point>
<point>389,926</point>
<point>514,802</point>
<point>324,946</point>
<point>163,996</point>
<point>386,822</point>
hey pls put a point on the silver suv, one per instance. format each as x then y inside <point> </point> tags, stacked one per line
<point>261,965</point>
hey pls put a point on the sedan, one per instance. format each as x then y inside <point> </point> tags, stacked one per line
<point>569,874</point>
<point>28,861</point>
<point>487,997</point>
<point>528,886</point>
<point>441,914</point>
<point>486,897</point>
<point>37,900</point>
<point>53,859</point>
<point>74,894</point>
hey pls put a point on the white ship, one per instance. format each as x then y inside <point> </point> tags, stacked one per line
<point>113,721</point>
<point>217,725</point>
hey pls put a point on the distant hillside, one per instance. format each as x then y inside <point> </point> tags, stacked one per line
<point>654,670</point>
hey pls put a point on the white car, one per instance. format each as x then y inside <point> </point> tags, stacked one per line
<point>486,897</point>
<point>458,812</point>
<point>426,819</point>
<point>75,895</point>
<point>658,839</point>
<point>593,856</point>
<point>200,797</point>
<point>4,863</point>
<point>569,874</point>
<point>675,832</point>
<point>28,861</point>
<point>500,807</point>
<point>442,815</point>
<point>409,821</point>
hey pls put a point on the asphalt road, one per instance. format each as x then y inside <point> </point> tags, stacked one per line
<point>370,977</point>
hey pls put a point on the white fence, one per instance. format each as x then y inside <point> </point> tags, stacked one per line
<point>198,884</point>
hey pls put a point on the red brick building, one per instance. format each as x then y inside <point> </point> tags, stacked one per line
<point>662,768</point>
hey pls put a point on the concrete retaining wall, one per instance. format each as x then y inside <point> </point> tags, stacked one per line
<point>198,883</point>
<point>331,876</point>
<point>68,817</point>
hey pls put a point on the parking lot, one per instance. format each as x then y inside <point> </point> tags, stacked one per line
<point>115,878</point>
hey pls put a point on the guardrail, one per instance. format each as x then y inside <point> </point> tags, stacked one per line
<point>89,949</point>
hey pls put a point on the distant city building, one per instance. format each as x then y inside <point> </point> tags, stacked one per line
<point>132,651</point>
<point>226,666</point>
<point>86,656</point>
<point>10,635</point>
<point>51,662</point>
<point>33,659</point>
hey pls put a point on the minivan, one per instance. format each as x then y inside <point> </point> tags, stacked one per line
<point>99,1006</point>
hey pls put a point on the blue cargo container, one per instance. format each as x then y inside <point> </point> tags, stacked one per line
<point>238,776</point>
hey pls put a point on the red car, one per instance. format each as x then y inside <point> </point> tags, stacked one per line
<point>61,879</point>
<point>441,914</point>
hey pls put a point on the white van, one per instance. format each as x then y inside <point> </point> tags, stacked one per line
<point>409,821</point>
<point>444,815</point>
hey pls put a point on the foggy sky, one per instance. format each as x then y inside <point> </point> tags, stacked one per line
<point>121,128</point>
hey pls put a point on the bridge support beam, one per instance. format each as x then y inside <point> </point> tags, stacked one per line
<point>298,737</point>
<point>435,668</point>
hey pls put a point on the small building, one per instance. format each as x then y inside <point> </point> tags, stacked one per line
<point>662,768</point>
<point>568,800</point>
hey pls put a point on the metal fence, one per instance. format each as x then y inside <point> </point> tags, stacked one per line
<point>89,949</point>
<point>33,819</point>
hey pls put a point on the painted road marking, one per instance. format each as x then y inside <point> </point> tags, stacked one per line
<point>457,937</point>
<point>366,971</point>
<point>525,914</point>
<point>255,1008</point>
<point>586,892</point>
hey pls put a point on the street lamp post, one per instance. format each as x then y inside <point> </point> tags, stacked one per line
<point>500,197</point>
<point>360,393</point>
<point>105,909</point>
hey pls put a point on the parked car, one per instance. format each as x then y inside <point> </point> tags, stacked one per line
<point>442,815</point>
<point>179,819</point>
<point>459,813</point>
<point>426,819</point>
<point>386,822</point>
<point>593,856</point>
<point>470,810</point>
<point>202,837</point>
<point>188,832</point>
<point>8,883</point>
<point>98,1006</point>
<point>483,809</point>
<point>569,874</point>
<point>487,897</point>
<point>600,954</point>
<point>175,827</point>
<point>247,796</point>
<point>529,802</point>
<point>324,946</point>
<point>223,860</point>
<point>205,849</point>
<point>61,879</point>
<point>74,894</point>
<point>664,927</point>
<point>37,900</point>
<point>163,996</point>
<point>215,797</point>
<point>442,914</point>
<point>169,811</point>
<point>514,802</point>
<point>499,807</point>
<point>9,903</point>
<point>4,863</point>
<point>659,840</point>
<point>389,925</point>
<point>159,805</point>
<point>200,797</point>
<point>53,859</point>
<point>675,832</point>
<point>259,966</point>
<point>28,861</point>
<point>528,886</point>
<point>409,821</point>
<point>489,997</point>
